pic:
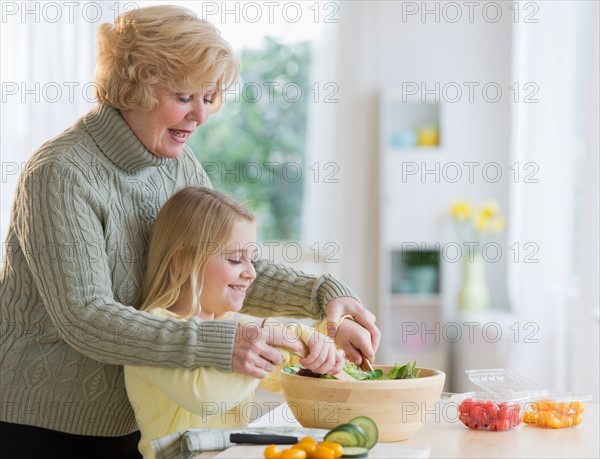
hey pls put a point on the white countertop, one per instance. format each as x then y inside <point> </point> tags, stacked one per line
<point>442,438</point>
<point>452,439</point>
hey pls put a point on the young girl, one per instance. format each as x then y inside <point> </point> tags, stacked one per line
<point>200,267</point>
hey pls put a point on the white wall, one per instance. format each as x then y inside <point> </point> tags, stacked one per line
<point>44,90</point>
<point>380,51</point>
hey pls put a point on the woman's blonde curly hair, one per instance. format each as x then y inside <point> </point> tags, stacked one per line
<point>161,45</point>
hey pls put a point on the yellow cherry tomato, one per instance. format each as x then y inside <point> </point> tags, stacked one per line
<point>308,440</point>
<point>293,453</point>
<point>557,423</point>
<point>545,405</point>
<point>338,449</point>
<point>545,418</point>
<point>306,446</point>
<point>323,452</point>
<point>577,407</point>
<point>529,418</point>
<point>551,420</point>
<point>566,419</point>
<point>562,407</point>
<point>272,452</point>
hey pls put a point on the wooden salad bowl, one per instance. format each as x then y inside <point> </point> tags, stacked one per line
<point>399,407</point>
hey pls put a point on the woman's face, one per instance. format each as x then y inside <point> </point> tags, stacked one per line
<point>229,273</point>
<point>165,129</point>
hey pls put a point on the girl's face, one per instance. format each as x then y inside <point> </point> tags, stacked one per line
<point>229,273</point>
<point>165,129</point>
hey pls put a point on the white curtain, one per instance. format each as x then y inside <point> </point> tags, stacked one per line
<point>585,339</point>
<point>47,65</point>
<point>554,204</point>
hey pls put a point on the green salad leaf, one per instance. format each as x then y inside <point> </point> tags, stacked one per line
<point>397,372</point>
<point>353,370</point>
<point>292,369</point>
<point>403,372</point>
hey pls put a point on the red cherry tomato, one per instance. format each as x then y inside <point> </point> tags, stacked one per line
<point>492,411</point>
<point>485,414</point>
<point>465,406</point>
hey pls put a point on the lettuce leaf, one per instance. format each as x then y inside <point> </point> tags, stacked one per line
<point>353,370</point>
<point>403,371</point>
<point>397,372</point>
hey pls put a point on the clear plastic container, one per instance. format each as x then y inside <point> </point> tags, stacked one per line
<point>543,408</point>
<point>501,380</point>
<point>554,409</point>
<point>486,411</point>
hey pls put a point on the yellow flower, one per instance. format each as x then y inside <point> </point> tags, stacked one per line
<point>489,209</point>
<point>461,210</point>
<point>487,218</point>
<point>481,222</point>
<point>498,224</point>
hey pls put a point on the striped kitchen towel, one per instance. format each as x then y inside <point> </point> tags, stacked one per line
<point>188,443</point>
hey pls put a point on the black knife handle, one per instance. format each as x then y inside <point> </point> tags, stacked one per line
<point>260,439</point>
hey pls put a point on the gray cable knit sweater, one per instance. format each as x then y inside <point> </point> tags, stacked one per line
<point>74,263</point>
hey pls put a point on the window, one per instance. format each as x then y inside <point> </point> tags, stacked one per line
<point>254,147</point>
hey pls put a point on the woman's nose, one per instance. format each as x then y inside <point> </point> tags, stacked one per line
<point>199,112</point>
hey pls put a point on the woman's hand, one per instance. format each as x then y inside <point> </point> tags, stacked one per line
<point>323,357</point>
<point>253,354</point>
<point>353,340</point>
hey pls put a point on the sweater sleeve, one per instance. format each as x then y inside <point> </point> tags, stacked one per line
<point>57,214</point>
<point>284,292</point>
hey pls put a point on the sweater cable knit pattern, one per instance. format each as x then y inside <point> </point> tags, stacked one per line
<point>73,266</point>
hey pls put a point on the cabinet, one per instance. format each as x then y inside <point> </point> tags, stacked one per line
<point>410,311</point>
<point>409,125</point>
<point>486,341</point>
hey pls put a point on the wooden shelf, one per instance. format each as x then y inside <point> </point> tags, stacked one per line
<point>410,303</point>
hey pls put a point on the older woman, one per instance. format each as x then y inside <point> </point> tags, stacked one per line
<point>76,247</point>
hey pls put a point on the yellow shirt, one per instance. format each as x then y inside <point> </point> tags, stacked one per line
<point>167,400</point>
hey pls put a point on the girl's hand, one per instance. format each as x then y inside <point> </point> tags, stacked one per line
<point>323,357</point>
<point>253,351</point>
<point>352,336</point>
<point>354,341</point>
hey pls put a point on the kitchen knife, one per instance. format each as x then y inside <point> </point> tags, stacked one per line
<point>261,439</point>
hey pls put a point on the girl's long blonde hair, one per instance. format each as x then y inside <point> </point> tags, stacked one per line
<point>192,226</point>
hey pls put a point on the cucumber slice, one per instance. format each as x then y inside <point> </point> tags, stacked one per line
<point>369,427</point>
<point>345,437</point>
<point>357,430</point>
<point>355,451</point>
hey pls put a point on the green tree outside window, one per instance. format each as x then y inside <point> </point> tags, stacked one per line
<point>253,149</point>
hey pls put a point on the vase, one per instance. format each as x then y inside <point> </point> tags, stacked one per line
<point>474,294</point>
